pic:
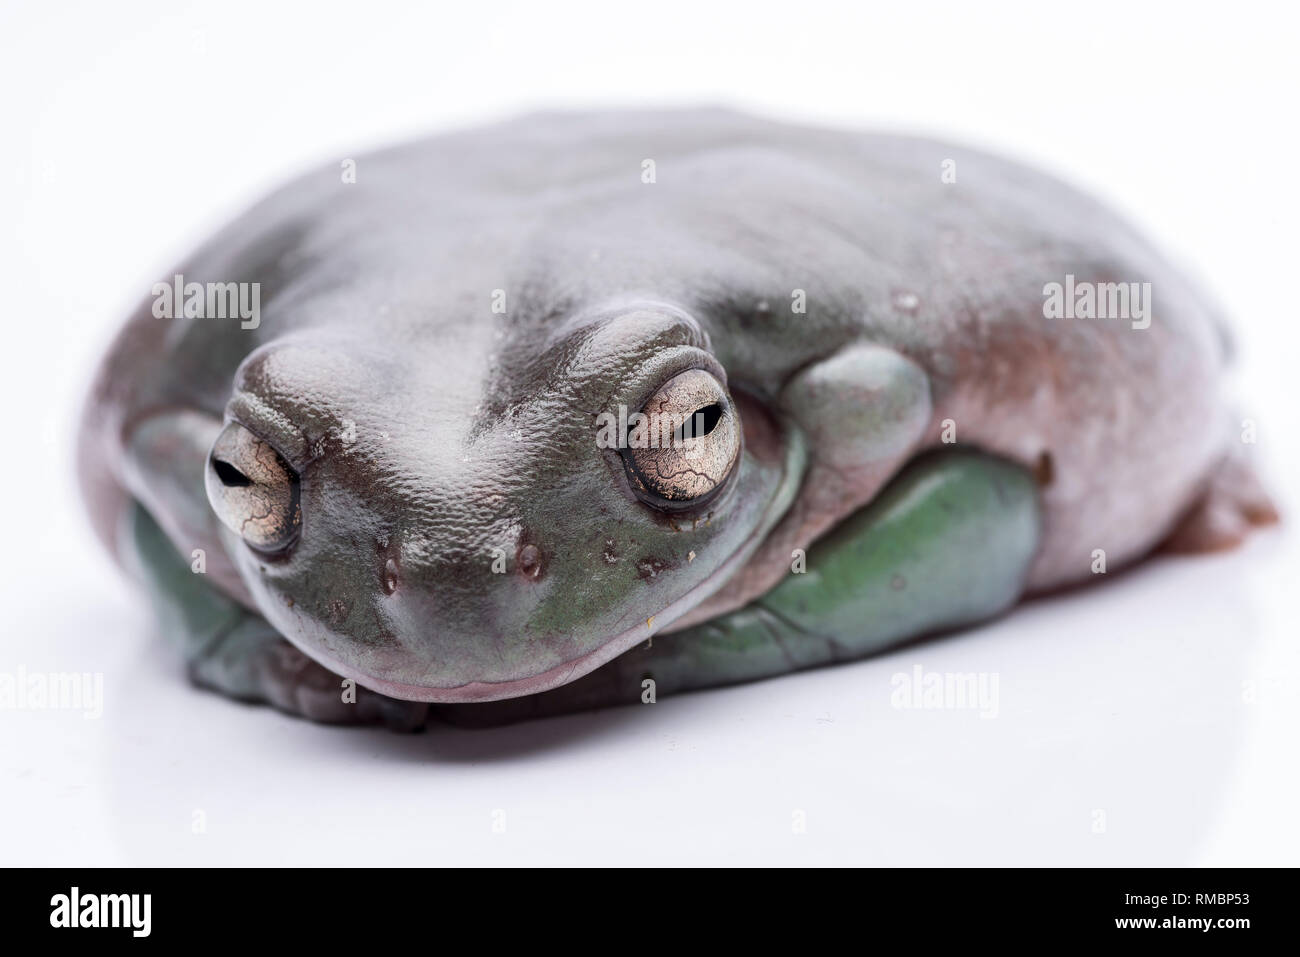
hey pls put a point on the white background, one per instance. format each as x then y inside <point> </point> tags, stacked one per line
<point>1162,703</point>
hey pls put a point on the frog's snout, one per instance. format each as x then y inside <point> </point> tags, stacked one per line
<point>440,533</point>
<point>428,575</point>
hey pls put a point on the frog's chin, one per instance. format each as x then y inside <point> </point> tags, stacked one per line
<point>570,670</point>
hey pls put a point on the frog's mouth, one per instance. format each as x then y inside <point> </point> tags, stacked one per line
<point>570,670</point>
<point>792,457</point>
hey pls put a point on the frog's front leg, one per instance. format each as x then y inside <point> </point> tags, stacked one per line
<point>947,543</point>
<point>226,646</point>
<point>862,412</point>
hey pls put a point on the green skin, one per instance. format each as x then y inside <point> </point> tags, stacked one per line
<point>432,436</point>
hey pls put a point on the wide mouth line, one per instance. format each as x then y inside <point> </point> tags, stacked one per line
<point>782,496</point>
<point>562,673</point>
<point>565,671</point>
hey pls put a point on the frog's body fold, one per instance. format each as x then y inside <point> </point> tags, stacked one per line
<point>438,339</point>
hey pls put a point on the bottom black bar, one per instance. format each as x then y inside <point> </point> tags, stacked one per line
<point>313,906</point>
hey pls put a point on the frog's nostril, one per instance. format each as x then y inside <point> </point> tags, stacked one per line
<point>529,561</point>
<point>391,576</point>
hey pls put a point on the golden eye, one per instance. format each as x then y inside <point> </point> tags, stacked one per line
<point>683,444</point>
<point>253,490</point>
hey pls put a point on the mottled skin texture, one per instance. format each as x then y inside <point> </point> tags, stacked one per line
<point>432,434</point>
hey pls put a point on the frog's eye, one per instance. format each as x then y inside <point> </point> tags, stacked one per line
<point>684,444</point>
<point>253,490</point>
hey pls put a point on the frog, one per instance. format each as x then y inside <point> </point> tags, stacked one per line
<point>415,485</point>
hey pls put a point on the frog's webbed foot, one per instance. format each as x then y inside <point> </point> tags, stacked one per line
<point>235,651</point>
<point>1232,503</point>
<point>947,543</point>
<point>253,663</point>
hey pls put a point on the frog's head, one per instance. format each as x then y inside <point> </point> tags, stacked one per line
<point>484,518</point>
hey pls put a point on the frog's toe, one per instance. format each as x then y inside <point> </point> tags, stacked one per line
<point>238,653</point>
<point>253,663</point>
<point>1232,503</point>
